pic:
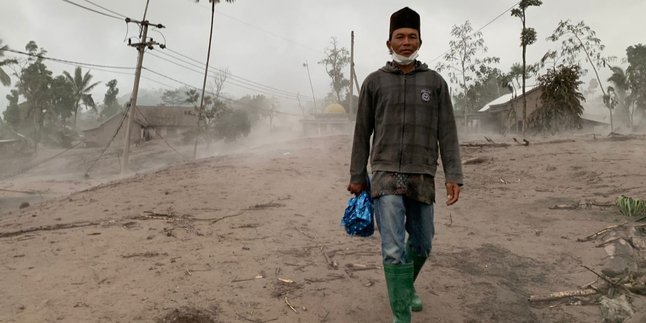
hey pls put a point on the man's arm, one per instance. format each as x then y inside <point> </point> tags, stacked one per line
<point>449,146</point>
<point>363,129</point>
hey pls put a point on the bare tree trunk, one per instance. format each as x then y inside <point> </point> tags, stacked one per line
<point>76,110</point>
<point>594,68</point>
<point>524,77</point>
<point>200,114</point>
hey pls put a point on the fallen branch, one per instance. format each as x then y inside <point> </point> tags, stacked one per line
<point>564,207</point>
<point>559,141</point>
<point>598,233</point>
<point>608,280</point>
<point>305,234</point>
<point>476,160</point>
<point>360,267</point>
<point>331,264</point>
<point>582,205</point>
<point>265,205</point>
<point>481,145</point>
<point>255,320</point>
<point>330,277</point>
<point>247,279</point>
<point>169,214</point>
<point>626,240</point>
<point>561,295</point>
<point>17,191</point>
<point>290,305</point>
<point>147,254</point>
<point>54,227</point>
<point>224,217</point>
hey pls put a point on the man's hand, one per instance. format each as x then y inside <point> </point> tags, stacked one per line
<point>356,188</point>
<point>452,193</point>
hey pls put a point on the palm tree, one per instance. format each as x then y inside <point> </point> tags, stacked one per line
<point>82,88</point>
<point>4,77</point>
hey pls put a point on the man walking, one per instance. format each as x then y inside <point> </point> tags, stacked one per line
<point>406,108</point>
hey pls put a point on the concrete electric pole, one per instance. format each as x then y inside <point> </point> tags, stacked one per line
<point>141,48</point>
<point>306,65</point>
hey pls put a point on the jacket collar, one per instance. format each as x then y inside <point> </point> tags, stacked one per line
<point>391,67</point>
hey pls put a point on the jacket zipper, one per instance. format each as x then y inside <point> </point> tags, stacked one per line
<point>401,146</point>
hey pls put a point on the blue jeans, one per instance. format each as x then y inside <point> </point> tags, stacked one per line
<point>396,215</point>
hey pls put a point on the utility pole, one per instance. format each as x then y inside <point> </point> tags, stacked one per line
<point>300,106</point>
<point>200,114</point>
<point>141,47</point>
<point>350,104</point>
<point>306,65</point>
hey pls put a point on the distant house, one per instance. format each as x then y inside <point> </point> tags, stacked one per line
<point>505,113</point>
<point>333,119</point>
<point>149,122</point>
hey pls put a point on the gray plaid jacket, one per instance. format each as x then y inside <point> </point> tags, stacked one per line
<point>410,117</point>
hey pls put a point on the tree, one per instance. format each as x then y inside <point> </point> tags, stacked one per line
<point>34,85</point>
<point>82,87</point>
<point>561,100</point>
<point>618,93</point>
<point>12,113</point>
<point>527,37</point>
<point>4,77</point>
<point>513,79</point>
<point>336,58</point>
<point>489,86</point>
<point>214,106</point>
<point>179,96</point>
<point>461,62</point>
<point>577,39</point>
<point>636,73</point>
<point>62,98</point>
<point>110,101</point>
<point>232,125</point>
<point>219,79</point>
<point>257,107</point>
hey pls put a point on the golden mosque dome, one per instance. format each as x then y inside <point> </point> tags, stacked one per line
<point>334,108</point>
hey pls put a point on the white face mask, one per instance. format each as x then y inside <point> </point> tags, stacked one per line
<point>403,60</point>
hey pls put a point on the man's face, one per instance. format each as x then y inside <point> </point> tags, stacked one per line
<point>404,41</point>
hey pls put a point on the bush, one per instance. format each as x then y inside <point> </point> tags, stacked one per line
<point>232,125</point>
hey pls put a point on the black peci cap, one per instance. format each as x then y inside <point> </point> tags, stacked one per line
<point>404,18</point>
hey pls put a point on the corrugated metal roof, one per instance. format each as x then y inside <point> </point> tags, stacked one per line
<point>505,98</point>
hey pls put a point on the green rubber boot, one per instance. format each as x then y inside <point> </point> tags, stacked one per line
<point>418,262</point>
<point>399,281</point>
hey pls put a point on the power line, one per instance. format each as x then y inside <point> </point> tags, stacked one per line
<point>95,11</point>
<point>173,79</point>
<point>220,13</point>
<point>125,115</point>
<point>234,81</point>
<point>498,17</point>
<point>68,61</point>
<point>235,77</point>
<point>480,29</point>
<point>106,9</point>
<point>170,87</point>
<point>46,160</point>
<point>143,116</point>
<point>254,83</point>
<point>209,92</point>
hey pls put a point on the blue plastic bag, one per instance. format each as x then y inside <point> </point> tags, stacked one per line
<point>358,218</point>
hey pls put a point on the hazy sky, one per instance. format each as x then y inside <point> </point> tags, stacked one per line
<point>268,41</point>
